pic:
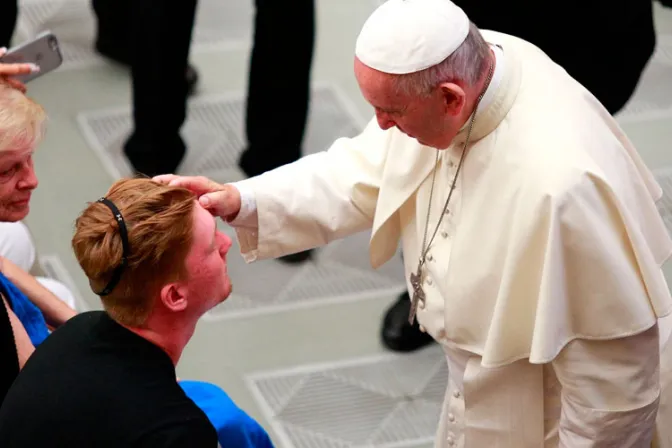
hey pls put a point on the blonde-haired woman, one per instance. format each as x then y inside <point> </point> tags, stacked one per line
<point>24,298</point>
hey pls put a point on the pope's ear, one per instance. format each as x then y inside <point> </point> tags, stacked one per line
<point>454,98</point>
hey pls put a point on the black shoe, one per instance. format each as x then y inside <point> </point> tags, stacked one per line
<point>117,54</point>
<point>297,258</point>
<point>149,158</point>
<point>397,334</point>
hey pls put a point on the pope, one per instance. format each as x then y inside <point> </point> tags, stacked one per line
<point>532,242</point>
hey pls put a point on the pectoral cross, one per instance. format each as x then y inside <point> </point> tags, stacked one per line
<point>418,293</point>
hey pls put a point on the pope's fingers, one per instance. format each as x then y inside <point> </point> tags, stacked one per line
<point>165,178</point>
<point>198,184</point>
<point>224,203</point>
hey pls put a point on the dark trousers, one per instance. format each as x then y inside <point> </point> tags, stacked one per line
<point>10,12</point>
<point>154,37</point>
<point>279,83</point>
<point>603,44</point>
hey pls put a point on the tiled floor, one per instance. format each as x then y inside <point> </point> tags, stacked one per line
<point>380,401</point>
<point>299,350</point>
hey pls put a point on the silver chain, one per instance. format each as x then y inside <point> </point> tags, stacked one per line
<point>425,246</point>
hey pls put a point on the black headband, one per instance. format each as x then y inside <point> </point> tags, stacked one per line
<point>123,232</point>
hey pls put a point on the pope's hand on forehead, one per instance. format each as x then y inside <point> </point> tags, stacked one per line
<point>220,200</point>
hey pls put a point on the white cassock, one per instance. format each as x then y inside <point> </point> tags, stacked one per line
<point>544,283</point>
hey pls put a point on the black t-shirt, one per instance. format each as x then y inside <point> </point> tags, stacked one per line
<point>93,383</point>
<point>9,359</point>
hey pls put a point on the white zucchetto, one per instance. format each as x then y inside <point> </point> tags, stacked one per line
<point>407,36</point>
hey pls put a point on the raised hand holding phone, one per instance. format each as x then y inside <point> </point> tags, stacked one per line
<point>30,60</point>
<point>9,71</point>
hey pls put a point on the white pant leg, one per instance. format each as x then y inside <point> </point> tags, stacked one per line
<point>17,245</point>
<point>663,434</point>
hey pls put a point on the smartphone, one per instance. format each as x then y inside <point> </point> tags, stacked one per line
<point>42,51</point>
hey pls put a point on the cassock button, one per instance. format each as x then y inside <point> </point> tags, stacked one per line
<point>451,418</point>
<point>457,394</point>
<point>422,329</point>
<point>430,257</point>
<point>451,441</point>
<point>451,163</point>
<point>429,281</point>
<point>444,234</point>
<point>421,305</point>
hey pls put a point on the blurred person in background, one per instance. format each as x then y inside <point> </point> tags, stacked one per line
<point>153,39</point>
<point>279,73</point>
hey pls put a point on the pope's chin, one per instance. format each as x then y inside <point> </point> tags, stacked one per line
<point>440,145</point>
<point>433,145</point>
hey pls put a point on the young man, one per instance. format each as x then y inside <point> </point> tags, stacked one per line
<point>107,378</point>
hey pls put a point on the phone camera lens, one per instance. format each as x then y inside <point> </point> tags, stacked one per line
<point>53,44</point>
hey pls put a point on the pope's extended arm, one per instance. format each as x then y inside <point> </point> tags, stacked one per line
<point>610,391</point>
<point>319,198</point>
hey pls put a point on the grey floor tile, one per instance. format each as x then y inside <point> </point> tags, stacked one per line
<point>272,286</point>
<point>381,401</point>
<point>214,131</point>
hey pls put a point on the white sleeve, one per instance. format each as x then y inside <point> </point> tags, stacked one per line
<point>313,201</point>
<point>247,216</point>
<point>610,391</point>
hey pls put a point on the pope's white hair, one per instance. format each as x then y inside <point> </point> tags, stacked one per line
<point>466,64</point>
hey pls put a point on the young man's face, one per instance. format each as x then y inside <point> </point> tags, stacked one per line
<point>208,281</point>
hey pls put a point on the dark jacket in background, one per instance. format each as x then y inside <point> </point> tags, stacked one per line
<point>603,44</point>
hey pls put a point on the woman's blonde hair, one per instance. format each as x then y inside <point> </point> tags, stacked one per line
<point>22,120</point>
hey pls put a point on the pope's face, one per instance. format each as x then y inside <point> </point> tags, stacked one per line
<point>430,119</point>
